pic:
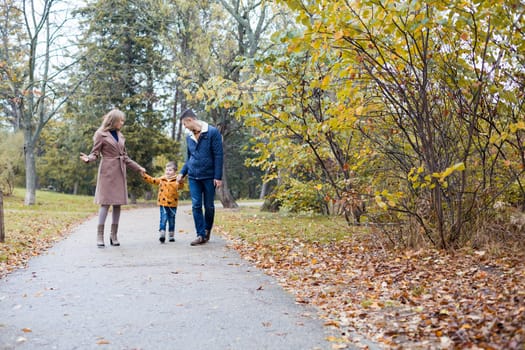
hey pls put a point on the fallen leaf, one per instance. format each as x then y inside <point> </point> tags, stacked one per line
<point>332,323</point>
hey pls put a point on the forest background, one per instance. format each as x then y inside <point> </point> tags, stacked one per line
<point>402,114</point>
<point>405,117</point>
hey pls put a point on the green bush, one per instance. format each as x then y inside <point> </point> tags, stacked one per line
<point>11,159</point>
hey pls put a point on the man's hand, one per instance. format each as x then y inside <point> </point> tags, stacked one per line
<point>217,183</point>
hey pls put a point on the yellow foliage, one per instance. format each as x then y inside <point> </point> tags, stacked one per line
<point>517,126</point>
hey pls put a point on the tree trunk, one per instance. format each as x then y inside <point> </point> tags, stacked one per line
<point>224,193</point>
<point>30,198</point>
<point>2,230</point>
<point>175,130</point>
<point>265,186</point>
<point>264,189</point>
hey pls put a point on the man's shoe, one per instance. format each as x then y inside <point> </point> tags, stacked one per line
<point>208,235</point>
<point>172,236</point>
<point>199,240</point>
<point>162,236</point>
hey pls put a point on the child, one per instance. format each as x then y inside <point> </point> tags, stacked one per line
<point>167,199</point>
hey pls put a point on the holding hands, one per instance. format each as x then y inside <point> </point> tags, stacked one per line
<point>84,157</point>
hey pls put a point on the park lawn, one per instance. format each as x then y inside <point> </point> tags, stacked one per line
<point>406,299</point>
<point>29,230</point>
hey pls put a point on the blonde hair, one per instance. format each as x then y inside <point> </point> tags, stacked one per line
<point>111,118</point>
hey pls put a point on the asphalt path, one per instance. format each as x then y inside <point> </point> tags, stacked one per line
<point>147,295</point>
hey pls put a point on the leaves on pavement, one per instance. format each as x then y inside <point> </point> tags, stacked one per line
<point>407,299</point>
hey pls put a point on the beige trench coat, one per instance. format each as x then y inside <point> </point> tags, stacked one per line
<point>112,186</point>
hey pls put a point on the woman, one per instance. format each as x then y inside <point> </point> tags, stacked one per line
<point>109,145</point>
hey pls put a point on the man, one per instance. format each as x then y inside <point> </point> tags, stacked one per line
<point>204,170</point>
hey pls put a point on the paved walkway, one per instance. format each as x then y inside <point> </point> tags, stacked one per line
<point>147,295</point>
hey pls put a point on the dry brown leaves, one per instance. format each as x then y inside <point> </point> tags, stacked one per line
<point>30,239</point>
<point>425,299</point>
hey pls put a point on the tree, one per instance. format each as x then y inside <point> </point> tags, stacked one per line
<point>247,33</point>
<point>436,84</point>
<point>198,38</point>
<point>11,60</point>
<point>2,226</point>
<point>124,66</point>
<point>305,138</point>
<point>33,90</point>
<point>11,159</point>
<point>57,162</point>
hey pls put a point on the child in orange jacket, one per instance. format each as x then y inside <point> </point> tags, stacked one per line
<point>167,199</point>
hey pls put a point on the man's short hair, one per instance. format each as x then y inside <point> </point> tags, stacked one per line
<point>188,114</point>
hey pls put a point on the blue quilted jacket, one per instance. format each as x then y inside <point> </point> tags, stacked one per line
<point>205,156</point>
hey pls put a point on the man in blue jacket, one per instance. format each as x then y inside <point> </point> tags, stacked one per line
<point>203,168</point>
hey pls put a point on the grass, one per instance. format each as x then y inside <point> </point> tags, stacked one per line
<point>49,201</point>
<point>253,225</point>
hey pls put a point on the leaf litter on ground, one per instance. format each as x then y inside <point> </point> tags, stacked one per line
<point>401,299</point>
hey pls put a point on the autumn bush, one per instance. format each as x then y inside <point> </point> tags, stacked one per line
<point>494,229</point>
<point>415,107</point>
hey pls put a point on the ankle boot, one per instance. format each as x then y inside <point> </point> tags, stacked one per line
<point>113,240</point>
<point>100,236</point>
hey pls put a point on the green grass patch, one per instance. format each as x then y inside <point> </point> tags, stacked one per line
<point>49,201</point>
<point>253,225</point>
<point>53,213</point>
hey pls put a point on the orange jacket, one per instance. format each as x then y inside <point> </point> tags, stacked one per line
<point>168,189</point>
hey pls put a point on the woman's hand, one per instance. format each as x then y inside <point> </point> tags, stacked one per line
<point>84,157</point>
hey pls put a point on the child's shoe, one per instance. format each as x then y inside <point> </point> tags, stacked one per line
<point>172,236</point>
<point>162,237</point>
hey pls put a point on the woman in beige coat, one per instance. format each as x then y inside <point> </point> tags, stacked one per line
<point>109,146</point>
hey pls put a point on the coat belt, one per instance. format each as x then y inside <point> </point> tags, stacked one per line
<point>122,164</point>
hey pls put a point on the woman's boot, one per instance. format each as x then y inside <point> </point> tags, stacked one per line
<point>100,236</point>
<point>113,240</point>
